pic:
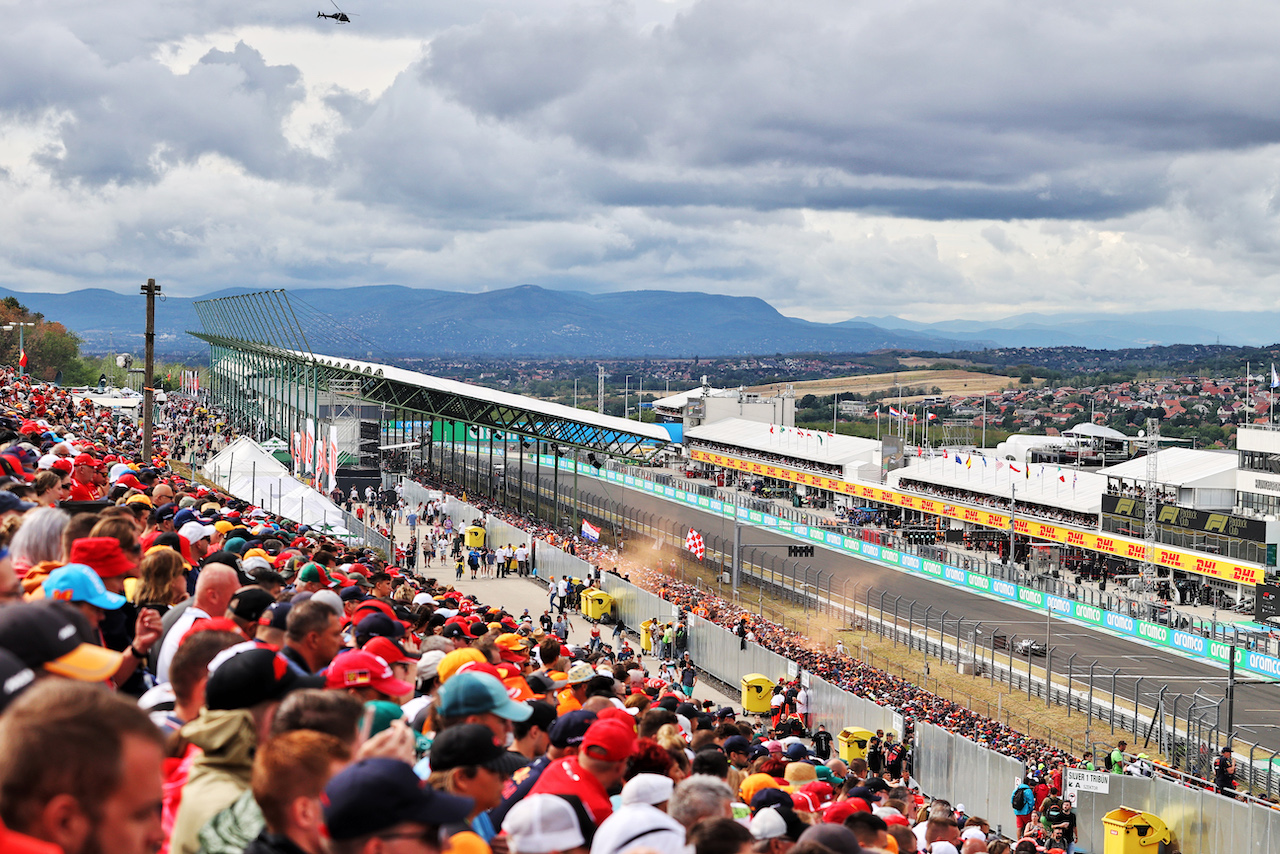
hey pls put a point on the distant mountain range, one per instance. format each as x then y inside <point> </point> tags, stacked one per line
<point>395,321</point>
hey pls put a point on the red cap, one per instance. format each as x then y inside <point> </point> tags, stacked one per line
<point>61,464</point>
<point>479,667</point>
<point>211,624</point>
<point>102,554</point>
<point>130,480</point>
<point>371,606</point>
<point>804,801</point>
<point>88,460</point>
<point>840,810</point>
<point>613,713</point>
<point>358,668</point>
<point>388,650</point>
<point>610,740</point>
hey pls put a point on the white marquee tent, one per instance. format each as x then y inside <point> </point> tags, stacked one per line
<point>249,472</point>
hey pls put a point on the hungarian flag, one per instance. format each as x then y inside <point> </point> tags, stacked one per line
<point>590,532</point>
<point>22,359</point>
<point>694,543</point>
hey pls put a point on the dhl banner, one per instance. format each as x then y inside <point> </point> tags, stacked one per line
<point>1125,547</point>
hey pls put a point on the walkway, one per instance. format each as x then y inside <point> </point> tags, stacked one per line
<point>517,594</point>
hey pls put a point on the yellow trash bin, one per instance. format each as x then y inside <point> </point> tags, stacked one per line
<point>596,604</point>
<point>853,742</point>
<point>475,537</point>
<point>646,641</point>
<point>757,691</point>
<point>1130,831</point>
<point>584,601</point>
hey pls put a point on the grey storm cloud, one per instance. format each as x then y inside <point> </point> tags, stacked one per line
<point>925,109</point>
<point>826,155</point>
<point>127,121</point>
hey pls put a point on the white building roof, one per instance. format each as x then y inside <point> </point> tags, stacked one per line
<point>813,445</point>
<point>499,398</point>
<point>1094,431</point>
<point>1182,467</point>
<point>1081,491</point>
<point>678,401</point>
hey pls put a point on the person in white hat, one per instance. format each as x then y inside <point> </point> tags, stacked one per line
<point>641,821</point>
<point>544,824</point>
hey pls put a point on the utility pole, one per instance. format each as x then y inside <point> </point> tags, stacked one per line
<point>149,290</point>
<point>1013,517</point>
<point>1231,695</point>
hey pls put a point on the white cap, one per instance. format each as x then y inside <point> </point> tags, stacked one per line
<point>193,532</point>
<point>618,704</point>
<point>429,664</point>
<point>539,824</point>
<point>973,832</point>
<point>651,789</point>
<point>768,824</point>
<point>959,807</point>
<point>328,597</point>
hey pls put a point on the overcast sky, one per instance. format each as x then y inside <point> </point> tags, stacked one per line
<point>928,159</point>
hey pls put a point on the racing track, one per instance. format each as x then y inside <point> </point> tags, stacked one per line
<point>1255,704</point>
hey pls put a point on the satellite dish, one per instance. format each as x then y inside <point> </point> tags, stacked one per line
<point>1142,434</point>
<point>124,360</point>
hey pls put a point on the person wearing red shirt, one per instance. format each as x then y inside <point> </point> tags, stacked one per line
<point>596,768</point>
<point>84,478</point>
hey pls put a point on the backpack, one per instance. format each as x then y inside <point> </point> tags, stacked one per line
<point>1019,799</point>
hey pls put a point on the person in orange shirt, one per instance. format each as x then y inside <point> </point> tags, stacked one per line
<point>571,697</point>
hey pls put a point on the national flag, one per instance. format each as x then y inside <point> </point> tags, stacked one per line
<point>770,428</point>
<point>999,464</point>
<point>959,461</point>
<point>933,417</point>
<point>895,413</point>
<point>984,462</point>
<point>1275,378</point>
<point>820,439</point>
<point>693,543</point>
<point>590,532</point>
<point>1062,477</point>
<point>22,359</point>
<point>1014,468</point>
<point>968,461</point>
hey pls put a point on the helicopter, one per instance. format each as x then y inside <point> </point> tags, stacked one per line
<point>340,16</point>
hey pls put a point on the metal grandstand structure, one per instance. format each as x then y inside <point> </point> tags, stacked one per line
<point>267,376</point>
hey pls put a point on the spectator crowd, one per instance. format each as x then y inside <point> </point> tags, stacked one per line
<point>181,671</point>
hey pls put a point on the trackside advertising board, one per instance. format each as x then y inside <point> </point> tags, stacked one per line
<point>1111,544</point>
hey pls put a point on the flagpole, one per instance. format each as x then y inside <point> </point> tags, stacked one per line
<point>984,419</point>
